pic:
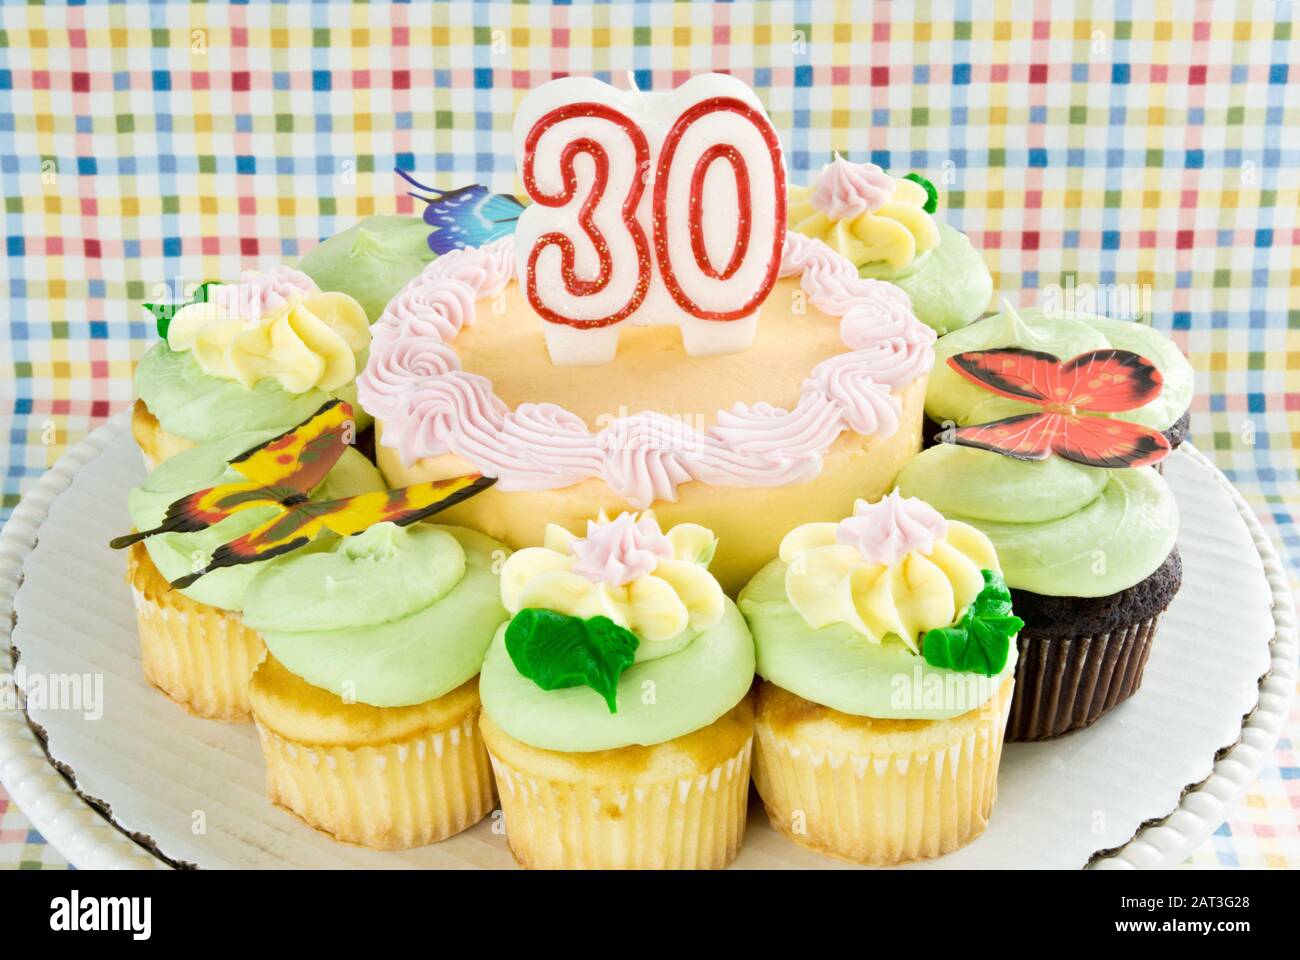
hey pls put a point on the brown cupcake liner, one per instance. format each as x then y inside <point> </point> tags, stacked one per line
<point>1064,684</point>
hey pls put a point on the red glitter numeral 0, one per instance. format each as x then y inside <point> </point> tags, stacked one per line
<point>744,219</point>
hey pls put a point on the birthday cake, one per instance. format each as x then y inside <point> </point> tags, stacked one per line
<point>666,418</point>
<point>787,387</point>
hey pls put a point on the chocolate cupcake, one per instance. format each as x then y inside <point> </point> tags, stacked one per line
<point>1090,558</point>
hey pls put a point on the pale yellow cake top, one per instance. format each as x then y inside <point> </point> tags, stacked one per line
<point>651,370</point>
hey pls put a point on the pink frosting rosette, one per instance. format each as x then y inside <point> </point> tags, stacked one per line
<point>434,308</point>
<point>887,531</point>
<point>645,457</point>
<point>620,551</point>
<point>866,404</point>
<point>397,366</point>
<point>486,269</point>
<point>258,293</point>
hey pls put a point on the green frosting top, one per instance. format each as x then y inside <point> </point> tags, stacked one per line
<point>202,408</point>
<point>659,699</point>
<point>391,617</point>
<point>949,286</point>
<point>1060,528</point>
<point>950,396</point>
<point>207,465</point>
<point>841,669</point>
<point>371,261</point>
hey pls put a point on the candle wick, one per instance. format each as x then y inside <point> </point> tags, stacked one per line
<point>631,80</point>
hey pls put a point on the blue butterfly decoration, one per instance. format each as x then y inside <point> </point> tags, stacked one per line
<point>465,217</point>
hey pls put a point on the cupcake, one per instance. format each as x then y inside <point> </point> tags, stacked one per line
<point>616,701</point>
<point>886,229</point>
<point>367,704</point>
<point>371,261</point>
<point>194,644</point>
<point>951,399</point>
<point>262,354</point>
<point>1090,559</point>
<point>884,643</point>
<point>1058,427</point>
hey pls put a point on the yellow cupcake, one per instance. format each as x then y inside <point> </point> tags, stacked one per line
<point>200,656</point>
<point>616,702</point>
<point>195,645</point>
<point>886,647</point>
<point>367,705</point>
<point>261,353</point>
<point>877,791</point>
<point>384,777</point>
<point>677,805</point>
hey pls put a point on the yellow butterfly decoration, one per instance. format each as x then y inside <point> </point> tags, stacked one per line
<point>282,472</point>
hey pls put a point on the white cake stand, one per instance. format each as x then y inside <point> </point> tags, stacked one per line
<point>144,785</point>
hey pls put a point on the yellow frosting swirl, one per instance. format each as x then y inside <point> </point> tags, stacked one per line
<point>896,568</point>
<point>305,340</point>
<point>655,584</point>
<point>894,233</point>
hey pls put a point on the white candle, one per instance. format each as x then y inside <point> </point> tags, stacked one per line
<point>648,208</point>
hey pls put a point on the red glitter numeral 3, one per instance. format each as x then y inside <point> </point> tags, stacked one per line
<point>575,285</point>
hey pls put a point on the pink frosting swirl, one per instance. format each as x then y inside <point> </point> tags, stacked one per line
<point>261,292</point>
<point>844,190</point>
<point>456,412</point>
<point>880,311</point>
<point>887,531</point>
<point>396,366</point>
<point>801,254</point>
<point>866,404</point>
<point>486,270</point>
<point>542,446</point>
<point>836,294</point>
<point>644,457</point>
<point>428,307</point>
<point>763,444</point>
<point>893,362</point>
<point>620,550</point>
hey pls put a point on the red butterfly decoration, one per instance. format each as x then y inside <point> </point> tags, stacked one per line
<point>1070,392</point>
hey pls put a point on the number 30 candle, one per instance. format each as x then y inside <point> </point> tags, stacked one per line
<point>648,208</point>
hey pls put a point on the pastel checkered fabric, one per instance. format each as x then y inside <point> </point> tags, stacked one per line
<point>1101,150</point>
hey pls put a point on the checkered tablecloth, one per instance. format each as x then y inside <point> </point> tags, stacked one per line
<point>1112,144</point>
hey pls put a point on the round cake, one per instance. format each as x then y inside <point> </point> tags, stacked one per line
<point>823,409</point>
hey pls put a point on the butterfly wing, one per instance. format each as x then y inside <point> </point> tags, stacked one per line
<point>1108,381</point>
<point>1027,436</point>
<point>290,529</point>
<point>1012,372</point>
<point>468,217</point>
<point>300,458</point>
<point>204,508</point>
<point>403,506</point>
<point>280,471</point>
<point>303,522</point>
<point>1106,442</point>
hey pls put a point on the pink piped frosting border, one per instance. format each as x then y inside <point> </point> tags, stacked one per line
<point>430,406</point>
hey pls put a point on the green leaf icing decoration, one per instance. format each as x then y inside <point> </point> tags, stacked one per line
<point>980,640</point>
<point>555,650</point>
<point>931,194</point>
<point>163,312</point>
